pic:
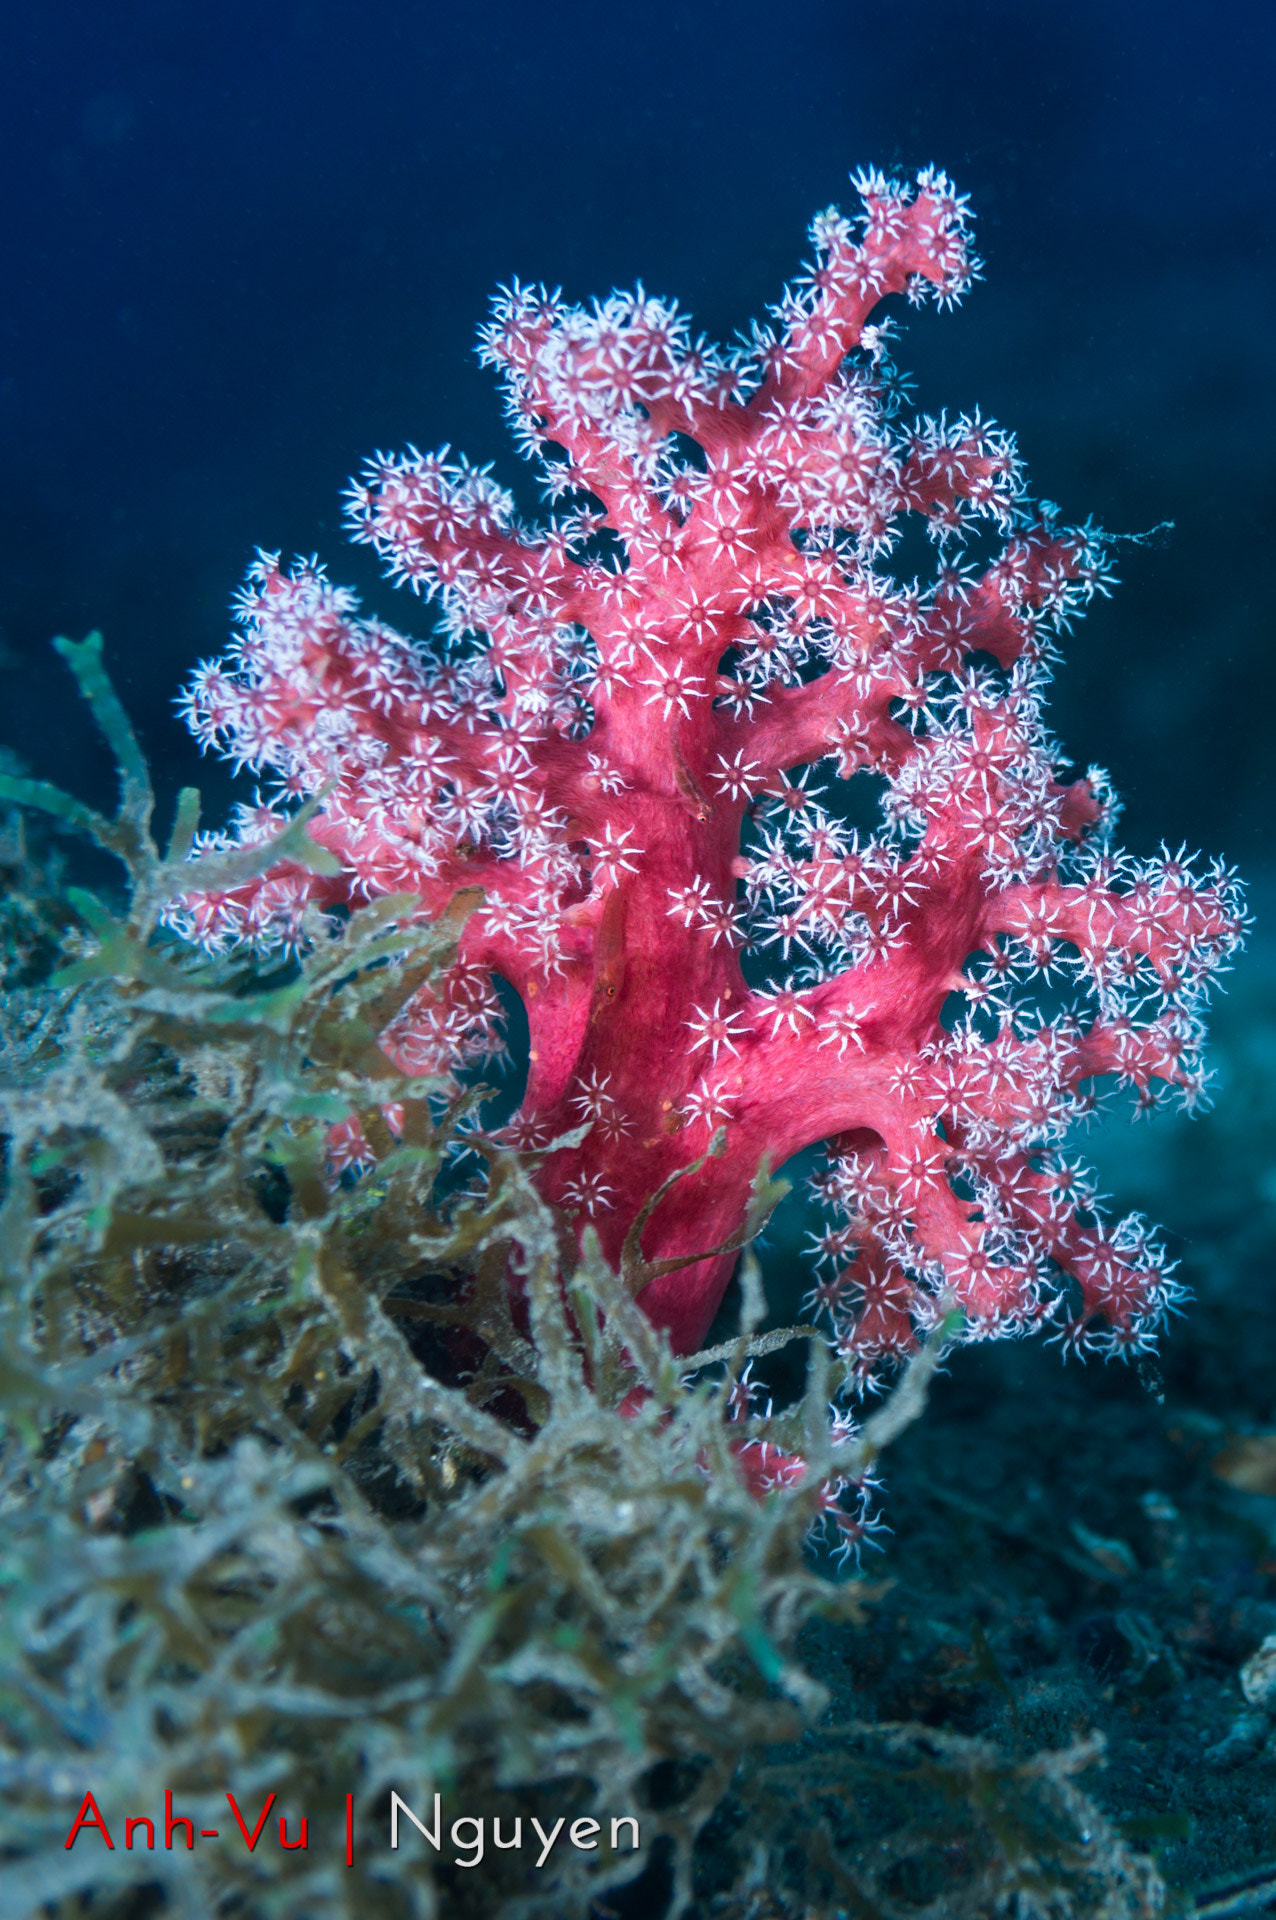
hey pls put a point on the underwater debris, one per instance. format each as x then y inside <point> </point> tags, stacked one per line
<point>911,1822</point>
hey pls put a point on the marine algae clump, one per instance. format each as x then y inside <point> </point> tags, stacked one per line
<point>294,1501</point>
<point>299,1502</point>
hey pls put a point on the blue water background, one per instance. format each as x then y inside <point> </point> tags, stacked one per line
<point>243,246</point>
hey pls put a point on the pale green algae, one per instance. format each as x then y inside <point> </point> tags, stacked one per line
<point>295,1503</point>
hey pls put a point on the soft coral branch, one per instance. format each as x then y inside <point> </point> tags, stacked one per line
<point>621,737</point>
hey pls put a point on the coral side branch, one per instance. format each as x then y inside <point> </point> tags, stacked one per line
<point>634,732</point>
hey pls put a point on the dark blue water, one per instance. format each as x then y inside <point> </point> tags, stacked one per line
<point>244,245</point>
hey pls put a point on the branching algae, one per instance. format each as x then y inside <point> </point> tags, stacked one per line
<point>303,1514</point>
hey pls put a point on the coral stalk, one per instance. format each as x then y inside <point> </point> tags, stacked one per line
<point>618,736</point>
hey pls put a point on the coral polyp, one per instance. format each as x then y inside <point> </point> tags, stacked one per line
<point>635,732</point>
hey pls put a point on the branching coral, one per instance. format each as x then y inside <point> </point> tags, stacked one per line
<point>618,738</point>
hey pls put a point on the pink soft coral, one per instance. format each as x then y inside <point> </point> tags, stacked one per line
<point>614,699</point>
